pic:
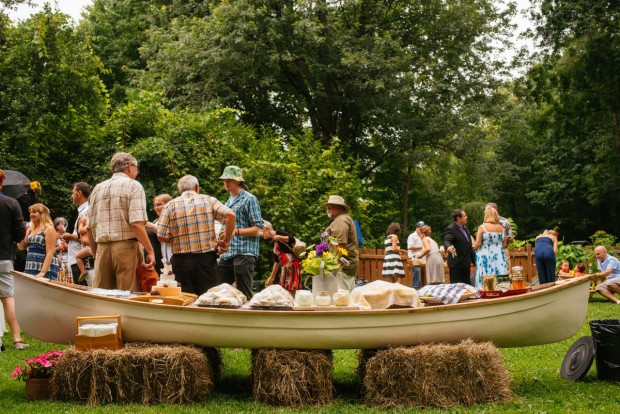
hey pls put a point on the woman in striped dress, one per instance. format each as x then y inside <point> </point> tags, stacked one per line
<point>392,263</point>
<point>41,240</point>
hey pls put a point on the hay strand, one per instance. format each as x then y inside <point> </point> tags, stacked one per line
<point>292,377</point>
<point>139,373</point>
<point>437,375</point>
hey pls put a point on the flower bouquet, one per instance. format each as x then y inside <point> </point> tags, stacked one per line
<point>321,263</point>
<point>37,374</point>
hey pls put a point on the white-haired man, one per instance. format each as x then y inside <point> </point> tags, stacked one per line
<point>609,268</point>
<point>188,224</point>
<point>116,226</point>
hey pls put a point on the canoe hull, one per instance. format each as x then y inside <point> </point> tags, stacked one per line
<point>48,311</point>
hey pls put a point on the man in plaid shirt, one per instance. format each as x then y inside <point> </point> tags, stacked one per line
<point>116,226</point>
<point>188,223</point>
<point>237,264</point>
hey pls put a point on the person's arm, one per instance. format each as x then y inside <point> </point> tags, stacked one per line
<point>478,241</point>
<point>139,230</point>
<point>50,249</point>
<point>23,245</point>
<point>426,247</point>
<point>151,226</point>
<point>231,222</point>
<point>92,242</point>
<point>448,239</point>
<point>272,276</point>
<point>604,273</point>
<point>555,245</point>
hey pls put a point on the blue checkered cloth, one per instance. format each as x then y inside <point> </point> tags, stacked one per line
<point>447,293</point>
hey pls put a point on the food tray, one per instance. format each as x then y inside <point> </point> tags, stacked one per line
<point>279,308</point>
<point>431,300</point>
<point>492,294</point>
<point>202,305</point>
<point>184,299</point>
<point>324,308</point>
<point>112,341</point>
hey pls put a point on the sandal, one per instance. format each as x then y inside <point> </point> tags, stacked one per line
<point>20,345</point>
<point>83,276</point>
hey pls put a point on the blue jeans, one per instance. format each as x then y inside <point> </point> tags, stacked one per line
<point>417,276</point>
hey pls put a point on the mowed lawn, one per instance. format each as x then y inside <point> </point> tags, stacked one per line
<point>535,370</point>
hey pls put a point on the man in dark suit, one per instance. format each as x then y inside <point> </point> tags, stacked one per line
<point>457,241</point>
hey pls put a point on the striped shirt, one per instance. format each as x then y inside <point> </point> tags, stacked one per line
<point>114,204</point>
<point>247,212</point>
<point>189,222</point>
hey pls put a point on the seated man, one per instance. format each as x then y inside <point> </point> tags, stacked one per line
<point>609,267</point>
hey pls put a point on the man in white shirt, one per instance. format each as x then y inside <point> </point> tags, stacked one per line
<point>79,194</point>
<point>414,245</point>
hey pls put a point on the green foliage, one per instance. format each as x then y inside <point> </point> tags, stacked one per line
<point>52,103</point>
<point>574,254</point>
<point>602,238</point>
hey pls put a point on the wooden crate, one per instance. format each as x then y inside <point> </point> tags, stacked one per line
<point>112,341</point>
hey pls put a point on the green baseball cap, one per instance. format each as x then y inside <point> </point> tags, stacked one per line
<point>232,172</point>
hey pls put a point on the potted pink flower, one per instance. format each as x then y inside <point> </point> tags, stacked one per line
<point>37,374</point>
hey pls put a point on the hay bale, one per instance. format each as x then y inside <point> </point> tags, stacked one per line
<point>138,373</point>
<point>292,377</point>
<point>437,375</point>
<point>363,356</point>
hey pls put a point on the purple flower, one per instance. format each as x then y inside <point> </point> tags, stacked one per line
<point>321,248</point>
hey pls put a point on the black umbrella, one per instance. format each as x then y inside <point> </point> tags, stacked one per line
<point>17,186</point>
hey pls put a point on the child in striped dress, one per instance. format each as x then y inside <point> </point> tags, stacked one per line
<point>392,263</point>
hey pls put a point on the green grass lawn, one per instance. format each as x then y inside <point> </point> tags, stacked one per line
<point>535,370</point>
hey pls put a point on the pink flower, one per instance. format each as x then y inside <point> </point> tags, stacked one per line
<point>41,366</point>
<point>18,371</point>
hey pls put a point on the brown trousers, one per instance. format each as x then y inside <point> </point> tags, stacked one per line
<point>115,265</point>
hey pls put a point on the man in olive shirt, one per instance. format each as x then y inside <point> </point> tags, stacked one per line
<point>343,229</point>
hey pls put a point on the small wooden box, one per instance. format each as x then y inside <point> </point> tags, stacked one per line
<point>112,341</point>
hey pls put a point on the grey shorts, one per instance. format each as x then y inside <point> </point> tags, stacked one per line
<point>605,285</point>
<point>6,279</point>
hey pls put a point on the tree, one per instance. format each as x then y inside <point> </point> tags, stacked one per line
<point>52,101</point>
<point>575,91</point>
<point>366,72</point>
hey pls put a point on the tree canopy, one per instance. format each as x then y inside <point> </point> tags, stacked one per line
<point>406,109</point>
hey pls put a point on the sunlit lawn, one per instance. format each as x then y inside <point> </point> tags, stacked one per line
<point>536,383</point>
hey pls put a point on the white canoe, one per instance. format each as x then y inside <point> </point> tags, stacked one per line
<point>47,311</point>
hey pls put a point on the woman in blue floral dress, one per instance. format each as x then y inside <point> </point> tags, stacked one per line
<point>41,240</point>
<point>489,247</point>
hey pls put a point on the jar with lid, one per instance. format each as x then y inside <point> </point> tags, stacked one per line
<point>323,299</point>
<point>518,282</point>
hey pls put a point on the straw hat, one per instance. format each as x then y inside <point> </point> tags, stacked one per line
<point>337,201</point>
<point>232,172</point>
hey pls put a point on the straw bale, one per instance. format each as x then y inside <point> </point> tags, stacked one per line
<point>138,373</point>
<point>437,375</point>
<point>292,377</point>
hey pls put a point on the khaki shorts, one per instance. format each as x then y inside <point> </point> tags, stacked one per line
<point>6,279</point>
<point>605,285</point>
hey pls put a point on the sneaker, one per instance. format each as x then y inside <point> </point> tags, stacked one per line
<point>19,345</point>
